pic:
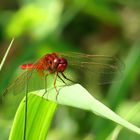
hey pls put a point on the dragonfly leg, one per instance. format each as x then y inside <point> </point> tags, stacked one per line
<point>62,80</point>
<point>56,75</point>
<point>45,85</point>
<point>67,78</point>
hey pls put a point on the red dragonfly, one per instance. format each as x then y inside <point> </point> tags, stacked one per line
<point>58,63</point>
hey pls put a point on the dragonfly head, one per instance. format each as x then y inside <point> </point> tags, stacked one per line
<point>55,63</point>
<point>61,64</point>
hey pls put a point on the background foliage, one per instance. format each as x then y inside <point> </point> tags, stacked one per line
<point>96,27</point>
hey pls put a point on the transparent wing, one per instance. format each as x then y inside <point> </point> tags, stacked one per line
<point>96,65</point>
<point>27,77</point>
<point>19,84</point>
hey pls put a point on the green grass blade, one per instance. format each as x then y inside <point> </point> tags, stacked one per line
<point>39,116</point>
<point>4,58</point>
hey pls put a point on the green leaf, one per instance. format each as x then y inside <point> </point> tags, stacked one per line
<point>39,116</point>
<point>79,97</point>
<point>40,111</point>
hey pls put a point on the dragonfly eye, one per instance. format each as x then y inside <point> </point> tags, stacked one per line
<point>63,61</point>
<point>62,65</point>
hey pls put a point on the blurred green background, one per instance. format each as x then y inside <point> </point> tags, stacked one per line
<point>108,27</point>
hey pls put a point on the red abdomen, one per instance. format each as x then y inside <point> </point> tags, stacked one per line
<point>27,66</point>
